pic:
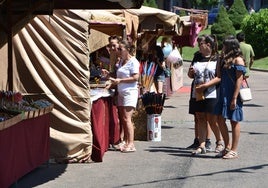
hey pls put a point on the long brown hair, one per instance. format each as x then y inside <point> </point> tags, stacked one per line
<point>231,51</point>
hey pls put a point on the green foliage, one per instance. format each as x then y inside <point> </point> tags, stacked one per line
<point>222,26</point>
<point>204,4</point>
<point>150,3</point>
<point>261,64</point>
<point>237,13</point>
<point>255,27</point>
<point>145,3</point>
<point>182,13</point>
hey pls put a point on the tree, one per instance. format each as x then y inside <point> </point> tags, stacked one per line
<point>228,3</point>
<point>237,13</point>
<point>145,3</point>
<point>255,27</point>
<point>222,26</point>
<point>204,4</point>
<point>150,3</point>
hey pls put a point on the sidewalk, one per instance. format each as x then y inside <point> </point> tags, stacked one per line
<point>167,163</point>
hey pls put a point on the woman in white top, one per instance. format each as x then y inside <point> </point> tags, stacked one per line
<point>203,71</point>
<point>127,85</point>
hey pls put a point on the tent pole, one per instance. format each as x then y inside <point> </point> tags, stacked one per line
<point>9,42</point>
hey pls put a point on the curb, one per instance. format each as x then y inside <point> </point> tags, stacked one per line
<point>261,70</point>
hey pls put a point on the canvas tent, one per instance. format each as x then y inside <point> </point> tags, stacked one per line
<point>148,19</point>
<point>51,60</point>
<point>103,24</point>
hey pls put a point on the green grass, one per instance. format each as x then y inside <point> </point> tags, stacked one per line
<point>188,53</point>
<point>261,63</point>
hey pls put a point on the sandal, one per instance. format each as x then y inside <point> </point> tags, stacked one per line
<point>231,155</point>
<point>120,146</point>
<point>222,153</point>
<point>219,147</point>
<point>128,149</point>
<point>199,150</point>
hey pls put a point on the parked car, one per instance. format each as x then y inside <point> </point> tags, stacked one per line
<point>212,14</point>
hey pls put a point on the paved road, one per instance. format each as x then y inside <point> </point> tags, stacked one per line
<point>168,163</point>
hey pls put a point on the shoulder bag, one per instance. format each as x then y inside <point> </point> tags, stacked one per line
<point>245,91</point>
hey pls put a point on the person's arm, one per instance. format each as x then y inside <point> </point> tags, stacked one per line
<point>251,57</point>
<point>238,82</point>
<point>191,72</point>
<point>213,81</point>
<point>133,78</point>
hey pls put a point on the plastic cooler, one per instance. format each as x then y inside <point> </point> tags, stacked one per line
<point>153,127</point>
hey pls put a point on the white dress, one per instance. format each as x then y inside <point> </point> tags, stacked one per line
<point>128,92</point>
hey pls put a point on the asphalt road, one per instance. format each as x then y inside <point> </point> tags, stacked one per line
<point>167,163</point>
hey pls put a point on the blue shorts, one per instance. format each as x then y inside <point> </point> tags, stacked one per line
<point>160,78</point>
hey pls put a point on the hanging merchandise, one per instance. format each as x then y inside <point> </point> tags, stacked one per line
<point>148,71</point>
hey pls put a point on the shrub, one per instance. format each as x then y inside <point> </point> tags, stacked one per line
<point>255,27</point>
<point>237,13</point>
<point>150,3</point>
<point>222,26</point>
<point>182,13</point>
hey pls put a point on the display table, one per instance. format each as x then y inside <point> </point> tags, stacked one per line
<point>105,126</point>
<point>23,146</point>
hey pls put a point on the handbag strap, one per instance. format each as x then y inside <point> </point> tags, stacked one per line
<point>206,68</point>
<point>244,80</point>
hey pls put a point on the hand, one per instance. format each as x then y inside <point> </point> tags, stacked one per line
<point>233,104</point>
<point>115,80</point>
<point>200,88</point>
<point>105,73</point>
<point>191,72</point>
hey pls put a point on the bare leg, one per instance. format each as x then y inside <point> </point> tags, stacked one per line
<point>209,131</point>
<point>159,86</point>
<point>202,128</point>
<point>235,135</point>
<point>195,127</point>
<point>121,123</point>
<point>129,128</point>
<point>224,131</point>
<point>212,119</point>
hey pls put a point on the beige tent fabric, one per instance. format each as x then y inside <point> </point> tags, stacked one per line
<point>132,24</point>
<point>103,24</point>
<point>51,60</point>
<point>147,18</point>
<point>168,18</point>
<point>3,69</point>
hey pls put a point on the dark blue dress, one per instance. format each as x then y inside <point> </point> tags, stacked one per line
<point>227,87</point>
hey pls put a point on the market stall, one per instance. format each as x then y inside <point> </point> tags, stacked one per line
<point>24,135</point>
<point>53,51</point>
<point>147,25</point>
<point>27,148</point>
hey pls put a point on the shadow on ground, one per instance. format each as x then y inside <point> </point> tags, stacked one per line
<point>40,175</point>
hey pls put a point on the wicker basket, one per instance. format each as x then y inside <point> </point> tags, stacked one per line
<point>140,122</point>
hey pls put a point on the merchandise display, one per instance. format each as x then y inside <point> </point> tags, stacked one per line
<point>14,107</point>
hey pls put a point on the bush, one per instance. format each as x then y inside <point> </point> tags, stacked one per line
<point>255,27</point>
<point>182,13</point>
<point>150,3</point>
<point>222,26</point>
<point>237,13</point>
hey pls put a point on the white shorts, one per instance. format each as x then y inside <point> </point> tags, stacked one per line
<point>128,98</point>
